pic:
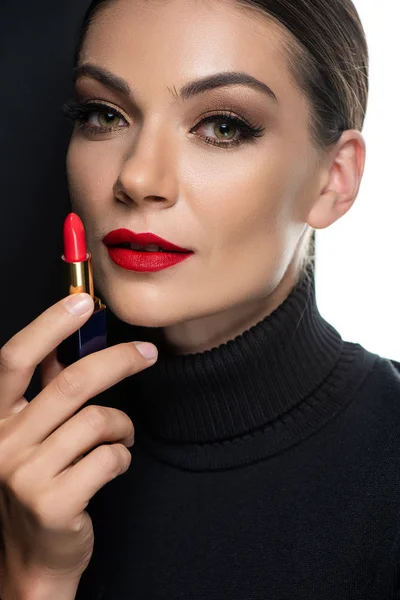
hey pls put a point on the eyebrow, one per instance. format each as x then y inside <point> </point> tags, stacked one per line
<point>187,91</point>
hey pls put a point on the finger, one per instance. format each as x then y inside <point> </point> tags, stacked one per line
<point>20,356</point>
<point>18,406</point>
<point>90,427</point>
<point>76,384</point>
<point>49,368</point>
<point>81,482</point>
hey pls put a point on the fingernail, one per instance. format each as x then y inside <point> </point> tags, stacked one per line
<point>78,304</point>
<point>147,350</point>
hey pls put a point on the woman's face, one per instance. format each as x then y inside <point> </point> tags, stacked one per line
<point>241,207</point>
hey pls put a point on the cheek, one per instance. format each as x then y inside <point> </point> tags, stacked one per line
<point>77,174</point>
<point>90,173</point>
<point>239,197</point>
<point>89,185</point>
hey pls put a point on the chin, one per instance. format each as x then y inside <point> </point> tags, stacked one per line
<point>156,316</point>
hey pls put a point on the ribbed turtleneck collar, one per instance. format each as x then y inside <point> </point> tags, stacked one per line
<point>239,386</point>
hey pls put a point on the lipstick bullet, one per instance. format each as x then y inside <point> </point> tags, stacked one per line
<point>78,277</point>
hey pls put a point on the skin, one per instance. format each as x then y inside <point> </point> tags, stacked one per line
<point>244,210</point>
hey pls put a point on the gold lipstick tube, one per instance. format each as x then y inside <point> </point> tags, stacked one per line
<point>92,336</point>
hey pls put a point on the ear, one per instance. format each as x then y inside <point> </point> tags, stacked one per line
<point>341,176</point>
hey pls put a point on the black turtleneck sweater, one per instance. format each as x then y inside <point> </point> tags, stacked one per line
<point>267,468</point>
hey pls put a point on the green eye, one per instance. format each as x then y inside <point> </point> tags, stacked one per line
<point>224,130</point>
<point>108,118</point>
<point>227,130</point>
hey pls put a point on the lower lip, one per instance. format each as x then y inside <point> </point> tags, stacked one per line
<point>144,262</point>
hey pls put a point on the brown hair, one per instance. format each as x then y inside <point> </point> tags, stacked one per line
<point>328,59</point>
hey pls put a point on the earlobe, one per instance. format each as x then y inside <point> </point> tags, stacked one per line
<point>338,194</point>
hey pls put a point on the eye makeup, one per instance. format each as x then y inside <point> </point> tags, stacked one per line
<point>80,112</point>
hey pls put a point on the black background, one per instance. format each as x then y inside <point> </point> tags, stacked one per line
<point>37,42</point>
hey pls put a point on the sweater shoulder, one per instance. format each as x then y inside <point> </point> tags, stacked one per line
<point>375,407</point>
<point>384,377</point>
<point>371,435</point>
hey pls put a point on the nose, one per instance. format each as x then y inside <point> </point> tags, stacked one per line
<point>148,174</point>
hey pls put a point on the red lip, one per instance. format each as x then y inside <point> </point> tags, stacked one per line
<point>145,262</point>
<point>119,236</point>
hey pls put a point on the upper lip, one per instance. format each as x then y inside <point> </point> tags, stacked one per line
<point>118,236</point>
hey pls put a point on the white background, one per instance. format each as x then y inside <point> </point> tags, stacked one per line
<point>357,258</point>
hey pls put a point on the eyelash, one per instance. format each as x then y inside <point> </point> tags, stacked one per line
<point>80,111</point>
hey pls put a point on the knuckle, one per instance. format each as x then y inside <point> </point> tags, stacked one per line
<point>7,456</point>
<point>16,484</point>
<point>12,483</point>
<point>131,428</point>
<point>127,356</point>
<point>45,511</point>
<point>127,421</point>
<point>10,361</point>
<point>68,384</point>
<point>111,458</point>
<point>97,417</point>
<point>41,507</point>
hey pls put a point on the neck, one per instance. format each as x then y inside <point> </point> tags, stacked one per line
<point>205,333</point>
<point>239,385</point>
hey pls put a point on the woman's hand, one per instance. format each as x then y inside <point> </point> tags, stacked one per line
<point>46,477</point>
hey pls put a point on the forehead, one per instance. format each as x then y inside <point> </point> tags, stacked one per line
<point>175,41</point>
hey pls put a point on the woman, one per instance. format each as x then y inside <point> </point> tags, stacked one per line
<point>265,462</point>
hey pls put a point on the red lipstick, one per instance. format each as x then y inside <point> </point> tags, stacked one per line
<point>77,264</point>
<point>128,250</point>
<point>74,239</point>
